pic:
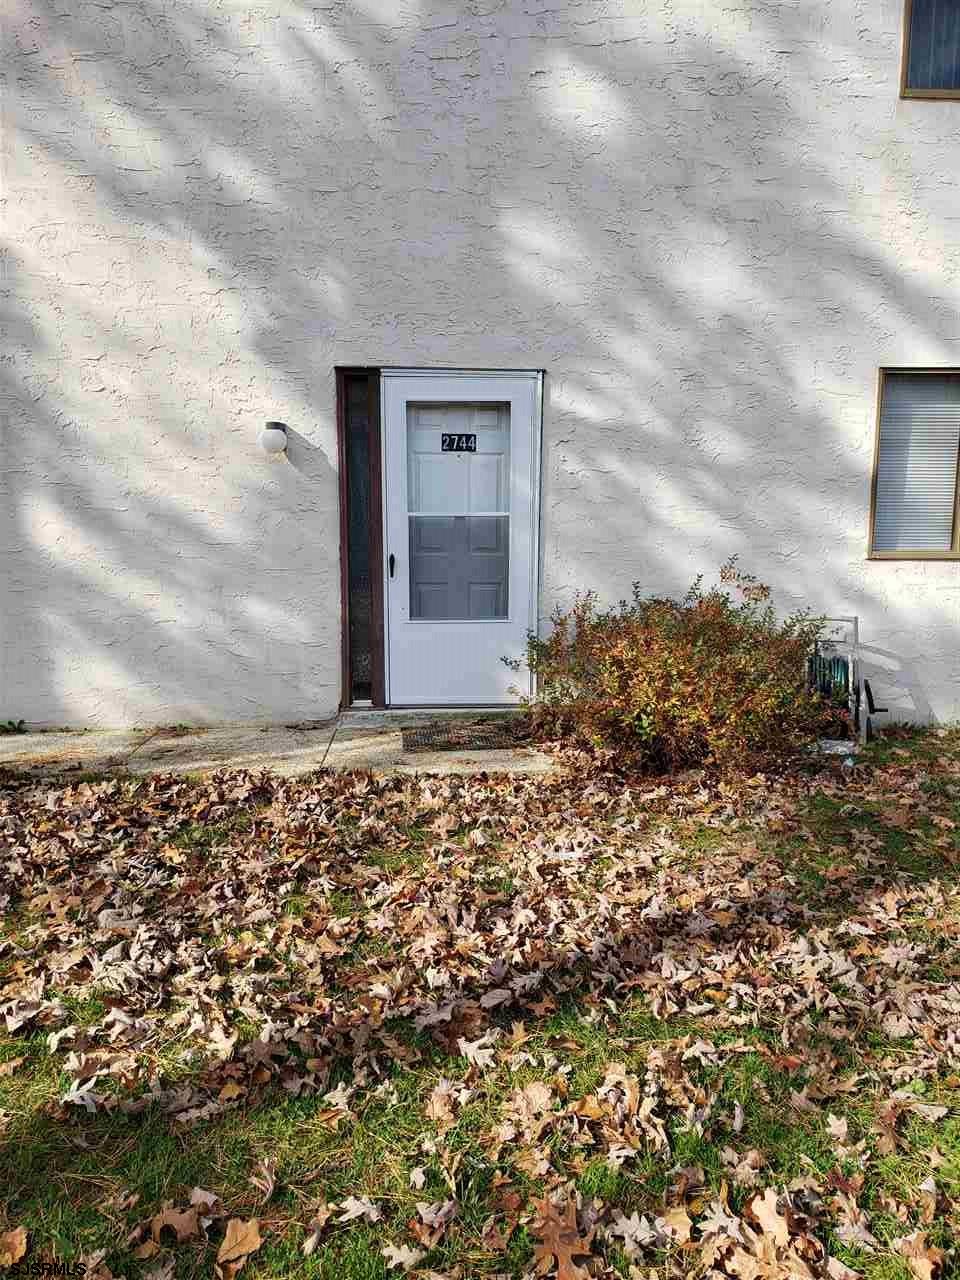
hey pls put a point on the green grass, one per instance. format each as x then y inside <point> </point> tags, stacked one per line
<point>201,837</point>
<point>67,1177</point>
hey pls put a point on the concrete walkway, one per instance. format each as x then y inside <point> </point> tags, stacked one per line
<point>353,740</point>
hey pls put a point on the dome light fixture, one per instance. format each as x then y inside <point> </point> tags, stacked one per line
<point>273,437</point>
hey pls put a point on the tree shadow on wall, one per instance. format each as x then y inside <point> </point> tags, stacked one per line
<point>212,208</point>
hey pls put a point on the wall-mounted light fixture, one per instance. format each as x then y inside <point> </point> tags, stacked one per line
<point>273,437</point>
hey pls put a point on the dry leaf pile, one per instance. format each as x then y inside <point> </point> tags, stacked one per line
<point>471,909</point>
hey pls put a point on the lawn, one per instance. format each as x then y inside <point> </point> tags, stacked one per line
<point>349,1027</point>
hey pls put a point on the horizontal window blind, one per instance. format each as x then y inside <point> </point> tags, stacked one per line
<point>934,45</point>
<point>916,494</point>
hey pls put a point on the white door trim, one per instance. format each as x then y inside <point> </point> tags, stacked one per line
<point>535,376</point>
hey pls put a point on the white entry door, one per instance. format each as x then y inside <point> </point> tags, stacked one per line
<point>461,485</point>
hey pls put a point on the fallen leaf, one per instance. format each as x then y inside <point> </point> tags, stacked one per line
<point>559,1240</point>
<point>401,1256</point>
<point>928,1200</point>
<point>677,1224</point>
<point>13,1246</point>
<point>315,1228</point>
<point>432,1221</point>
<point>763,1209</point>
<point>94,1267</point>
<point>480,1053</point>
<point>359,1207</point>
<point>924,1260</point>
<point>634,1233</point>
<point>241,1239</point>
<point>838,1270</point>
<point>184,1224</point>
<point>837,1127</point>
<point>264,1177</point>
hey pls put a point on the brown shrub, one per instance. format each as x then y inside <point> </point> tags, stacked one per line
<point>710,679</point>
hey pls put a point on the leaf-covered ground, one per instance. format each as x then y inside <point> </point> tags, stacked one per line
<point>350,1027</point>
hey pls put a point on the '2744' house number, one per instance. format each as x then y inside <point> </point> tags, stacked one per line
<point>450,442</point>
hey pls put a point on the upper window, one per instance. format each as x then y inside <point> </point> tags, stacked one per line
<point>931,51</point>
<point>915,482</point>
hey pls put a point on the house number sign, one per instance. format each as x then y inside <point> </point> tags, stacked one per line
<point>452,443</point>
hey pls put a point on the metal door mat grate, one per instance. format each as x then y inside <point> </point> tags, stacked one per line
<point>459,735</point>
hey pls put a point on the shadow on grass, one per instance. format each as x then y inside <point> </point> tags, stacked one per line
<point>788,867</point>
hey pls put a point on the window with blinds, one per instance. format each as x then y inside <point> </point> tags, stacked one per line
<point>931,63</point>
<point>918,453</point>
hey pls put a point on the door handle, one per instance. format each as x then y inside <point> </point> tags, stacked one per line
<point>393,563</point>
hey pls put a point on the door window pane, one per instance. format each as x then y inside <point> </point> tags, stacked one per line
<point>459,567</point>
<point>458,503</point>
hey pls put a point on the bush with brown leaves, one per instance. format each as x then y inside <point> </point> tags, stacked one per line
<point>711,679</point>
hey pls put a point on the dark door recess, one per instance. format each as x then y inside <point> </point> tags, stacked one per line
<point>361,535</point>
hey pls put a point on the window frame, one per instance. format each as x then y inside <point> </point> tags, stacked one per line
<point>872,552</point>
<point>935,95</point>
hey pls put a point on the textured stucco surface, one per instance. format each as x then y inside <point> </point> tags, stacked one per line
<point>709,222</point>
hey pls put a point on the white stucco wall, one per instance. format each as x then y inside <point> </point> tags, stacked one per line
<point>709,222</point>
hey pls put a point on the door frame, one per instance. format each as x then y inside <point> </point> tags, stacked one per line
<point>378,569</point>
